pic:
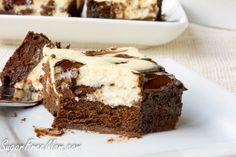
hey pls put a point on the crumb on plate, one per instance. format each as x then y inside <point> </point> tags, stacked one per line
<point>40,131</point>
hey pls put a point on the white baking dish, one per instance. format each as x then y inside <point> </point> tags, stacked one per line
<point>86,30</point>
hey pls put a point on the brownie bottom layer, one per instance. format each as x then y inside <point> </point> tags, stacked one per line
<point>95,116</point>
<point>159,111</point>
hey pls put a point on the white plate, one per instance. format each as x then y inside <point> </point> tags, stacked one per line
<point>86,30</point>
<point>206,128</point>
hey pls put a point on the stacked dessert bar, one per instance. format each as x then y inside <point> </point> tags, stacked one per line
<point>116,90</point>
<point>113,90</point>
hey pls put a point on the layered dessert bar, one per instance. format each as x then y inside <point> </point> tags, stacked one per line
<point>41,7</point>
<point>24,68</point>
<point>125,9</point>
<point>115,90</point>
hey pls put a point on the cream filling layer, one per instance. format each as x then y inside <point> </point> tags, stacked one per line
<point>116,86</point>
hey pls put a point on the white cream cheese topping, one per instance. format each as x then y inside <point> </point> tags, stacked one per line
<point>115,78</point>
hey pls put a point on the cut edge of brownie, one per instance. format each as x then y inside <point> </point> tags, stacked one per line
<point>50,98</point>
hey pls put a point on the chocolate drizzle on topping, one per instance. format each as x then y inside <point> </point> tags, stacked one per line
<point>148,59</point>
<point>121,62</point>
<point>123,56</point>
<point>64,64</point>
<point>67,64</point>
<point>154,81</point>
<point>114,48</point>
<point>103,52</point>
<point>58,45</point>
